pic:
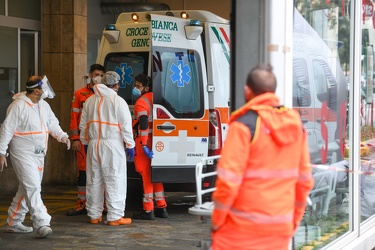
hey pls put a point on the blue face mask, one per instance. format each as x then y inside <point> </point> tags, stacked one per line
<point>136,93</point>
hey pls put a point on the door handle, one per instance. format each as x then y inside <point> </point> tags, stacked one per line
<point>166,127</point>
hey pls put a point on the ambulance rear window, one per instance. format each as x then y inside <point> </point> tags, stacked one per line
<point>177,81</point>
<point>127,65</point>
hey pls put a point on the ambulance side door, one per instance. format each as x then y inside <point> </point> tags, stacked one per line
<point>180,110</point>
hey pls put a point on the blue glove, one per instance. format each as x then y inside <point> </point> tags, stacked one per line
<point>85,148</point>
<point>130,153</point>
<point>148,152</point>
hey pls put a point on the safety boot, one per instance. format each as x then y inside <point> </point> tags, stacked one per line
<point>161,212</point>
<point>144,215</point>
<point>96,221</point>
<point>79,208</point>
<point>121,221</point>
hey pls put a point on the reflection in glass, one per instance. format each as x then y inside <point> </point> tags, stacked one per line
<point>320,94</point>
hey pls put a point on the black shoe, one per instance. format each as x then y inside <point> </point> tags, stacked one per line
<point>144,216</point>
<point>161,212</point>
<point>79,208</point>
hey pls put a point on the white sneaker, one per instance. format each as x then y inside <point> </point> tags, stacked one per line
<point>44,231</point>
<point>19,228</point>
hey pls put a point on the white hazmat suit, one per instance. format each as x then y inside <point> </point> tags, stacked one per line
<point>105,126</point>
<point>26,130</point>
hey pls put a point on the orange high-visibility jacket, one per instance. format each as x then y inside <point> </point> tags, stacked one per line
<point>263,177</point>
<point>143,107</point>
<point>80,96</point>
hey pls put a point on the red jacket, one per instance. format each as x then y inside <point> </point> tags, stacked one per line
<point>263,178</point>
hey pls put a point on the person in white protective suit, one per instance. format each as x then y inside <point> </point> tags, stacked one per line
<point>106,127</point>
<point>26,129</point>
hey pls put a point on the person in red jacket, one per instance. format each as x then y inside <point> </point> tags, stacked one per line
<point>264,173</point>
<point>142,125</point>
<point>79,98</point>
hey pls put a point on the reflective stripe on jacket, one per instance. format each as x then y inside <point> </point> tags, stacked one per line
<point>263,179</point>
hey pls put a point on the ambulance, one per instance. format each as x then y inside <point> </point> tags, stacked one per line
<point>187,54</point>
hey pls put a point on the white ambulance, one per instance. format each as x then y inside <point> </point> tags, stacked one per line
<point>187,55</point>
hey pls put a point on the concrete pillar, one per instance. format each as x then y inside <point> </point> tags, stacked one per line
<point>64,59</point>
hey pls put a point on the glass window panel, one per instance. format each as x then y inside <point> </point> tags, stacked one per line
<point>127,65</point>
<point>320,64</point>
<point>29,9</point>
<point>8,68</point>
<point>367,118</point>
<point>178,84</point>
<point>2,7</point>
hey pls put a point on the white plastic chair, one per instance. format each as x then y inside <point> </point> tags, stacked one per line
<point>203,209</point>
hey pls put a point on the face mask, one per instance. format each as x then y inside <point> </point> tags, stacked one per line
<point>44,96</point>
<point>96,79</point>
<point>136,92</point>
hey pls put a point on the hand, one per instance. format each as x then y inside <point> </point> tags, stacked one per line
<point>76,145</point>
<point>148,152</point>
<point>66,141</point>
<point>3,161</point>
<point>130,153</point>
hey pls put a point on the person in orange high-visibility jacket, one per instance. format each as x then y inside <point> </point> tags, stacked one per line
<point>79,98</point>
<point>142,124</point>
<point>264,173</point>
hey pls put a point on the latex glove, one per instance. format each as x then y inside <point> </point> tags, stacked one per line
<point>130,153</point>
<point>66,141</point>
<point>3,162</point>
<point>148,152</point>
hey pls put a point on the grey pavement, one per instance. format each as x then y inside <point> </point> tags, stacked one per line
<point>180,230</point>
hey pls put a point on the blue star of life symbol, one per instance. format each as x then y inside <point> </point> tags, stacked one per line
<point>180,73</point>
<point>124,71</point>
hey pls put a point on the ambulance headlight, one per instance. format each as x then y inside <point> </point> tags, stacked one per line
<point>184,15</point>
<point>135,17</point>
<point>148,16</point>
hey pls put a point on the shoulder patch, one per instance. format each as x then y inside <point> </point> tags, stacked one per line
<point>249,119</point>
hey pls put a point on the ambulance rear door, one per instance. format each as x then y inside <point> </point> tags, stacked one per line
<point>180,112</point>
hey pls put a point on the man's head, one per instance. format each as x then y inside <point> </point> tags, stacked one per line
<point>260,80</point>
<point>33,85</point>
<point>96,73</point>
<point>111,79</point>
<point>142,84</point>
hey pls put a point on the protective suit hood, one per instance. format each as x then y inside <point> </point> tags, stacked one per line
<point>101,90</point>
<point>281,122</point>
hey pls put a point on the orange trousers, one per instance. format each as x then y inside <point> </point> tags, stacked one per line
<point>151,191</point>
<point>230,238</point>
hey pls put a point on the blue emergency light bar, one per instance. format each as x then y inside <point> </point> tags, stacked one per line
<point>110,27</point>
<point>195,23</point>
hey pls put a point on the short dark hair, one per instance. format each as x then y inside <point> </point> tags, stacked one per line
<point>145,80</point>
<point>96,66</point>
<point>261,79</point>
